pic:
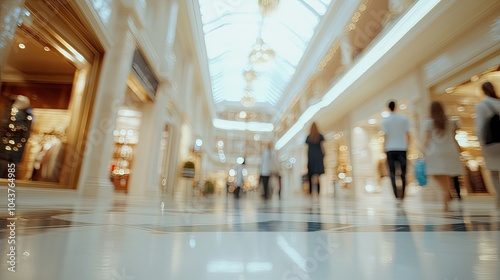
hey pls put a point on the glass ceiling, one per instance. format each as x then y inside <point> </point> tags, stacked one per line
<point>231,29</point>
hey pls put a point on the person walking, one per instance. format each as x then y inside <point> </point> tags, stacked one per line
<point>315,156</point>
<point>396,128</point>
<point>491,152</point>
<point>269,166</point>
<point>442,152</point>
<point>240,179</point>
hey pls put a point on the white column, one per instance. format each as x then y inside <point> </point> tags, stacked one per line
<point>173,157</point>
<point>143,177</point>
<point>173,11</point>
<point>94,177</point>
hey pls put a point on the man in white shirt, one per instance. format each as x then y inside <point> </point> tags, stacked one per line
<point>396,130</point>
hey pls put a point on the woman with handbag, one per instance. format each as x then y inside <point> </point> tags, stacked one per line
<point>442,152</point>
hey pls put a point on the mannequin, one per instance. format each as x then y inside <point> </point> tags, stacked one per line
<point>15,128</point>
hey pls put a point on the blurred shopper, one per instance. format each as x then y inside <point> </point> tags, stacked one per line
<point>396,128</point>
<point>269,166</point>
<point>240,179</point>
<point>442,152</point>
<point>315,156</point>
<point>491,152</point>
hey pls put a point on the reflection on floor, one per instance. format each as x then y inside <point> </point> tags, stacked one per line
<point>71,238</point>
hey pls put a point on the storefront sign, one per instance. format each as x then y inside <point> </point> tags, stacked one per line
<point>143,73</point>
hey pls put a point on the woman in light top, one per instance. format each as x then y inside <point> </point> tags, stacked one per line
<point>442,152</point>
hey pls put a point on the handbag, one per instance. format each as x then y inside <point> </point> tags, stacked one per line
<point>420,172</point>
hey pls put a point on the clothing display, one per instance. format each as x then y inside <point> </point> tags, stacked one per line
<point>15,127</point>
<point>48,161</point>
<point>443,156</point>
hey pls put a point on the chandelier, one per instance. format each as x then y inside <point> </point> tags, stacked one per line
<point>261,53</point>
<point>248,100</point>
<point>250,75</point>
<point>267,7</point>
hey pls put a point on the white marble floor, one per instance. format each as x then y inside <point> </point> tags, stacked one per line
<point>62,237</point>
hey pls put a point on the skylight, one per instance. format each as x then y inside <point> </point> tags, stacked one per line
<point>231,29</point>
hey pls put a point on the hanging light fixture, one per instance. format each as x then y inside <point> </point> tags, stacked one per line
<point>250,75</point>
<point>261,53</point>
<point>248,100</point>
<point>268,7</point>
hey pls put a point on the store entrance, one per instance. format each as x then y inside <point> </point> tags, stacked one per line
<point>126,138</point>
<point>47,74</point>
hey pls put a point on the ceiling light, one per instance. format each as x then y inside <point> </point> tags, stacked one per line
<point>460,109</point>
<point>385,114</point>
<point>261,53</point>
<point>47,49</point>
<point>240,160</point>
<point>248,101</point>
<point>372,121</point>
<point>243,114</point>
<point>199,142</point>
<point>267,7</point>
<point>403,107</point>
<point>250,75</point>
<point>256,137</point>
<point>22,46</point>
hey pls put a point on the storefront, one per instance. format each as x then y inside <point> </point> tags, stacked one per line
<point>338,169</point>
<point>141,92</point>
<point>48,74</point>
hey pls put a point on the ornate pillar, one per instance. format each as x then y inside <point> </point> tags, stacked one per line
<point>94,177</point>
<point>144,176</point>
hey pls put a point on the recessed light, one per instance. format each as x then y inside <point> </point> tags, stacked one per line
<point>403,106</point>
<point>47,49</point>
<point>22,46</point>
<point>372,121</point>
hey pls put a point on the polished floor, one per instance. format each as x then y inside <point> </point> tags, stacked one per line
<point>63,237</point>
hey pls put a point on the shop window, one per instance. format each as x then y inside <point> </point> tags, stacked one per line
<point>44,98</point>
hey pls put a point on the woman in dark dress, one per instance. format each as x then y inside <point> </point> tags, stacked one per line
<point>315,155</point>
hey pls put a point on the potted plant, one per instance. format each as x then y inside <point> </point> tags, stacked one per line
<point>188,169</point>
